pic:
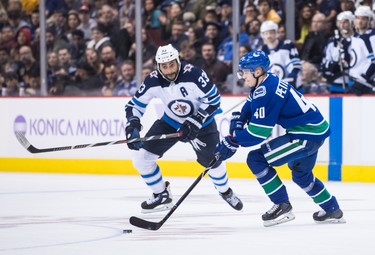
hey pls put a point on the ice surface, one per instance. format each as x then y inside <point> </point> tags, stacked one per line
<point>86,214</point>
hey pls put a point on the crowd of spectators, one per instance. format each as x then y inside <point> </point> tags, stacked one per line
<point>91,47</point>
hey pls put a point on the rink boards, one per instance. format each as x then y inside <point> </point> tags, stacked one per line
<point>55,122</point>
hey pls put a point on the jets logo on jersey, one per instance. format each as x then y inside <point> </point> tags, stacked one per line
<point>154,74</point>
<point>181,108</point>
<point>278,70</point>
<point>188,68</point>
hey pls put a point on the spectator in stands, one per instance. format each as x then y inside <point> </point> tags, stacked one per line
<point>347,5</point>
<point>304,23</point>
<point>173,12</point>
<point>253,30</point>
<point>34,22</point>
<point>148,49</point>
<point>311,79</point>
<point>330,8</point>
<point>315,41</point>
<point>195,36</point>
<point>127,12</point>
<point>119,38</point>
<point>92,58</point>
<point>212,34</point>
<point>177,34</point>
<point>99,38</point>
<point>11,84</point>
<point>53,42</point>
<point>52,66</point>
<point>87,23</point>
<point>4,56</point>
<point>216,70</point>
<point>77,45</point>
<point>112,79</point>
<point>28,64</point>
<point>201,7</point>
<point>65,61</point>
<point>281,35</point>
<point>7,38</point>
<point>72,24</point>
<point>88,80</point>
<point>189,54</point>
<point>128,85</point>
<point>146,70</point>
<point>34,85</point>
<point>251,13</point>
<point>15,19</point>
<point>225,17</point>
<point>58,20</point>
<point>266,12</point>
<point>107,55</point>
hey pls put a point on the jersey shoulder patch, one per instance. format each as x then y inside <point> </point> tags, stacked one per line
<point>259,92</point>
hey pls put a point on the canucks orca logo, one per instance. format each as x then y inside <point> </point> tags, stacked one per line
<point>181,108</point>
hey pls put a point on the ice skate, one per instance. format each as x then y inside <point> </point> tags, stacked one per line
<point>278,214</point>
<point>323,217</point>
<point>158,202</point>
<point>232,199</point>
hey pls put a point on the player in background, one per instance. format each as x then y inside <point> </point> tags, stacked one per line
<point>191,102</point>
<point>345,59</point>
<point>284,57</point>
<point>362,23</point>
<point>273,101</point>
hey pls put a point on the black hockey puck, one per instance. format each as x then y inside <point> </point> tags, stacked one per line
<point>127,231</point>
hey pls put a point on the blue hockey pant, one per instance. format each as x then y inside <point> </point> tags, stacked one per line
<point>300,155</point>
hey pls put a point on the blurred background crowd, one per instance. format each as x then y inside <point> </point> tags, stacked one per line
<point>91,45</point>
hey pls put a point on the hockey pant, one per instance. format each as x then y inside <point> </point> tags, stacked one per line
<point>301,157</point>
<point>204,145</point>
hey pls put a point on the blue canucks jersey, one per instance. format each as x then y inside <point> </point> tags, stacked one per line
<point>191,91</point>
<point>275,101</point>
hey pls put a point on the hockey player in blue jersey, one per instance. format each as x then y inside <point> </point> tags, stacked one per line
<point>273,101</point>
<point>191,102</point>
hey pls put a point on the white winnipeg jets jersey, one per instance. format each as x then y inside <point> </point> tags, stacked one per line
<point>192,90</point>
<point>285,61</point>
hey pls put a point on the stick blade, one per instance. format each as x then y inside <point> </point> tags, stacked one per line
<point>140,223</point>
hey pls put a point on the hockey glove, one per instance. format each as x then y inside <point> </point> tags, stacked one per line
<point>226,148</point>
<point>132,129</point>
<point>236,122</point>
<point>190,128</point>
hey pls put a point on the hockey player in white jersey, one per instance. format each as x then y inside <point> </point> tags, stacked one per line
<point>191,102</point>
<point>284,57</point>
<point>363,20</point>
<point>345,58</point>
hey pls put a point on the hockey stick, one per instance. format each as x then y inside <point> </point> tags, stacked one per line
<point>141,223</point>
<point>28,146</point>
<point>235,106</point>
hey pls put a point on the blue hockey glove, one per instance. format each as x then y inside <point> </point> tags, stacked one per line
<point>226,148</point>
<point>236,122</point>
<point>132,129</point>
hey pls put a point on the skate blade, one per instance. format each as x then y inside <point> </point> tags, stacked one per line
<point>164,207</point>
<point>281,219</point>
<point>332,221</point>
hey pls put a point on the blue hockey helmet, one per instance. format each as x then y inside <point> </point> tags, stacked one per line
<point>254,59</point>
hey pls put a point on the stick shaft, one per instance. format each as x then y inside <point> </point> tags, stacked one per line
<point>28,146</point>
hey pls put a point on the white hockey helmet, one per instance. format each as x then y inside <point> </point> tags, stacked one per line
<point>346,15</point>
<point>166,54</point>
<point>269,25</point>
<point>364,11</point>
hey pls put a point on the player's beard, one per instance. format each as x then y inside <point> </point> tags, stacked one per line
<point>171,76</point>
